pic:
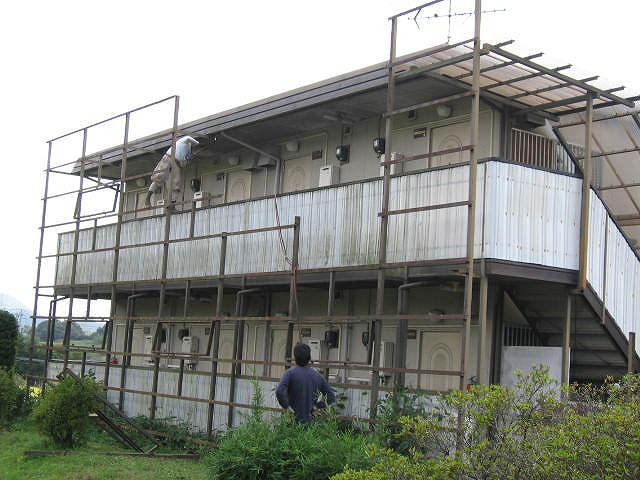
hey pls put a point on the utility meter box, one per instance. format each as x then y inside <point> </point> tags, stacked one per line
<point>159,210</point>
<point>148,347</point>
<point>318,349</point>
<point>202,199</point>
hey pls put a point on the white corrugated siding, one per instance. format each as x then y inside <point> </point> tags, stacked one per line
<point>621,295</point>
<point>532,216</point>
<point>598,219</point>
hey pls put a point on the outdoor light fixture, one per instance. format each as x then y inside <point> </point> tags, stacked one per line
<point>342,153</point>
<point>378,145</point>
<point>195,184</point>
<point>443,110</point>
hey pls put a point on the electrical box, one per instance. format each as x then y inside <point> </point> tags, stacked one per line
<point>329,175</point>
<point>202,199</point>
<point>148,347</point>
<point>160,207</point>
<point>190,345</point>
<point>318,349</point>
<point>394,167</point>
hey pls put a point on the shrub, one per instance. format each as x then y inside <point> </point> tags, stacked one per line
<point>8,339</point>
<point>398,404</point>
<point>281,448</point>
<point>9,397</point>
<point>392,465</point>
<point>62,413</point>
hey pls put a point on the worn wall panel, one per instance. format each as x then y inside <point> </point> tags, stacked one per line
<point>532,216</point>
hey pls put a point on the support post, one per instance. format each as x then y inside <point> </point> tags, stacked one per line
<point>483,361</point>
<point>566,341</point>
<point>214,345</point>
<point>586,194</point>
<point>631,352</point>
<point>471,213</point>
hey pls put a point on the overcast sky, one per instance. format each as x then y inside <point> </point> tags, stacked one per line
<point>67,64</point>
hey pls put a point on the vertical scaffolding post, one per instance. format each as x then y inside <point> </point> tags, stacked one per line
<point>375,329</point>
<point>293,292</point>
<point>34,317</point>
<point>483,363</point>
<point>116,262</point>
<point>74,257</point>
<point>586,194</point>
<point>163,276</point>
<point>215,336</point>
<point>471,215</point>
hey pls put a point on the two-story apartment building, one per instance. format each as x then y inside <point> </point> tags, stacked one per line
<point>433,221</point>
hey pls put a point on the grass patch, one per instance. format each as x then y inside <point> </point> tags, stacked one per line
<point>84,464</point>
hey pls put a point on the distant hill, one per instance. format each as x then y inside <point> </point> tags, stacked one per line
<point>17,308</point>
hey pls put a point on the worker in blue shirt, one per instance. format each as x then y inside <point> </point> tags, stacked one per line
<point>301,386</point>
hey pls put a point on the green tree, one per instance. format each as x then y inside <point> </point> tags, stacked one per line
<point>8,339</point>
<point>76,331</point>
<point>63,412</point>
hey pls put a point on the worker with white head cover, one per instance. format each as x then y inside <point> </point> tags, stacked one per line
<point>168,171</point>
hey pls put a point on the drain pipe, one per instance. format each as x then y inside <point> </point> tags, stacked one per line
<point>238,344</point>
<point>400,352</point>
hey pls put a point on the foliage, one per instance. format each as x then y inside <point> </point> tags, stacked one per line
<point>15,398</point>
<point>76,333</point>
<point>597,439</point>
<point>525,432</point>
<point>62,413</point>
<point>9,395</point>
<point>8,339</point>
<point>178,433</point>
<point>281,448</point>
<point>392,465</point>
<point>400,403</point>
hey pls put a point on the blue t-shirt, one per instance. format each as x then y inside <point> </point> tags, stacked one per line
<point>299,389</point>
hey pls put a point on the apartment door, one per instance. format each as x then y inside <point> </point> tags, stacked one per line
<point>440,350</point>
<point>297,174</point>
<point>238,185</point>
<point>447,137</point>
<point>278,351</point>
<point>225,351</point>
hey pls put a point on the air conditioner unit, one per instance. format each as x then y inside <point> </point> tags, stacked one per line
<point>394,167</point>
<point>202,199</point>
<point>329,175</point>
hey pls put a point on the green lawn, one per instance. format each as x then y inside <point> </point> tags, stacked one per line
<point>84,463</point>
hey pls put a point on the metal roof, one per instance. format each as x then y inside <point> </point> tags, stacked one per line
<point>506,79</point>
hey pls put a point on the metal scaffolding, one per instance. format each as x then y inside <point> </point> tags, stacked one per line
<point>448,64</point>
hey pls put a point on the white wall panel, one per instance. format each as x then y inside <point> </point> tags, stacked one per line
<point>532,216</point>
